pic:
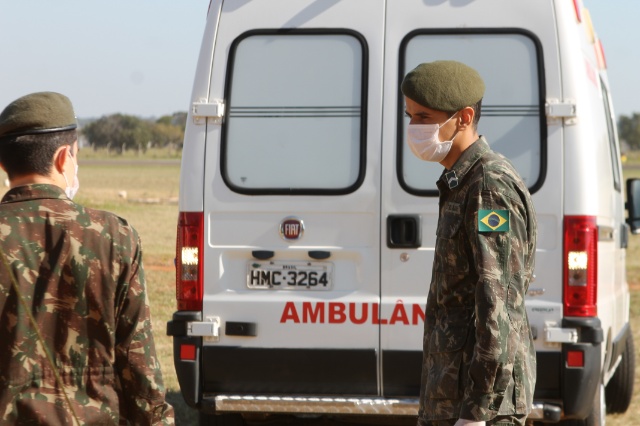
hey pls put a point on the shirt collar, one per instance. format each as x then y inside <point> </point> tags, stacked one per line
<point>34,191</point>
<point>451,178</point>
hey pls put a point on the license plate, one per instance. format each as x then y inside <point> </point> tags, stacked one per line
<point>289,275</point>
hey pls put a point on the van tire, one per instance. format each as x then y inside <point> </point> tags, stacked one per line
<point>619,390</point>
<point>221,420</point>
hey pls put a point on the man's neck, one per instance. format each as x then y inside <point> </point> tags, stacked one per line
<point>31,179</point>
<point>458,147</point>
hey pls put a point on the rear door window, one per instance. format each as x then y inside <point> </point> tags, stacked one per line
<point>512,115</point>
<point>612,137</point>
<point>295,122</point>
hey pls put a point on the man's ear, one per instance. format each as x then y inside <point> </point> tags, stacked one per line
<point>60,158</point>
<point>466,117</point>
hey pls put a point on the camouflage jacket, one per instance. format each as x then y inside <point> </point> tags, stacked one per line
<point>479,359</point>
<point>80,272</point>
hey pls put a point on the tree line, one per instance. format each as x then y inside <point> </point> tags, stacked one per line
<point>629,130</point>
<point>120,132</point>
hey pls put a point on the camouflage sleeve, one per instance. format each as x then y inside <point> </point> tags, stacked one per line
<point>429,324</point>
<point>496,225</point>
<point>430,313</point>
<point>138,368</point>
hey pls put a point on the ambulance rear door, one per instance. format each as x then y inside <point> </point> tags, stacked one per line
<point>292,200</point>
<point>502,40</point>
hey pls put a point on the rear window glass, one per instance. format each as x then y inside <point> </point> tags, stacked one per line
<point>512,108</point>
<point>612,136</point>
<point>295,113</point>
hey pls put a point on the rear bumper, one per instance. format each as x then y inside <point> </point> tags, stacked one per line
<point>231,384</point>
<point>311,405</point>
<point>579,384</point>
<point>187,370</point>
<point>568,392</point>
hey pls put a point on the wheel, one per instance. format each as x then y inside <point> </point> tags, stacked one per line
<point>221,420</point>
<point>620,388</point>
<point>597,416</point>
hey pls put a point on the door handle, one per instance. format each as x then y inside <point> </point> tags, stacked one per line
<point>403,231</point>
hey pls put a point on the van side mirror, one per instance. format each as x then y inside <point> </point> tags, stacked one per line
<point>633,205</point>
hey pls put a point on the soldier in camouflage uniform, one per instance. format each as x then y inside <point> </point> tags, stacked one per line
<point>479,363</point>
<point>79,273</point>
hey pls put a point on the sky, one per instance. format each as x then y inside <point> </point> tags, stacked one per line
<point>139,57</point>
<point>133,57</point>
<point>616,23</point>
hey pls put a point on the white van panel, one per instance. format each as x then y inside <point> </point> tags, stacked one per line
<point>299,316</point>
<point>346,227</point>
<point>591,173</point>
<point>412,276</point>
<point>320,228</point>
<point>192,163</point>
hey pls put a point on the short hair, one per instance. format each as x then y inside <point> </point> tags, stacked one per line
<point>477,108</point>
<point>33,154</point>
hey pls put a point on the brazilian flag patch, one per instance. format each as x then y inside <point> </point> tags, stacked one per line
<point>493,220</point>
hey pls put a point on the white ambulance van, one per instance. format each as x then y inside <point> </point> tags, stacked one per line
<point>306,230</point>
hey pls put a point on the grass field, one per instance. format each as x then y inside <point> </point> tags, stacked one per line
<point>150,206</point>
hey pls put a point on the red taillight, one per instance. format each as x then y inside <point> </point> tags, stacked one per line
<point>580,266</point>
<point>189,261</point>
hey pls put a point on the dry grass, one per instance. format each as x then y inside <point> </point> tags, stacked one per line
<point>633,253</point>
<point>632,416</point>
<point>150,206</point>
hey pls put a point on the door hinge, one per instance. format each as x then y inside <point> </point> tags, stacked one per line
<point>565,110</point>
<point>202,110</point>
<point>208,329</point>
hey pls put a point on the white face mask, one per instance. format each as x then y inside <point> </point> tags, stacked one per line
<point>72,190</point>
<point>425,144</point>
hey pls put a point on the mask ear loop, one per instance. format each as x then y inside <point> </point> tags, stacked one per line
<point>448,119</point>
<point>70,156</point>
<point>457,131</point>
<point>65,179</point>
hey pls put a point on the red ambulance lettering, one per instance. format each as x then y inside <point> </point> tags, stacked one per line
<point>375,317</point>
<point>336,313</point>
<point>399,314</point>
<point>309,314</point>
<point>354,313</point>
<point>290,313</point>
<point>417,314</point>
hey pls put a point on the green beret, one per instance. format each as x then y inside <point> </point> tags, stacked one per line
<point>443,85</point>
<point>42,112</point>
